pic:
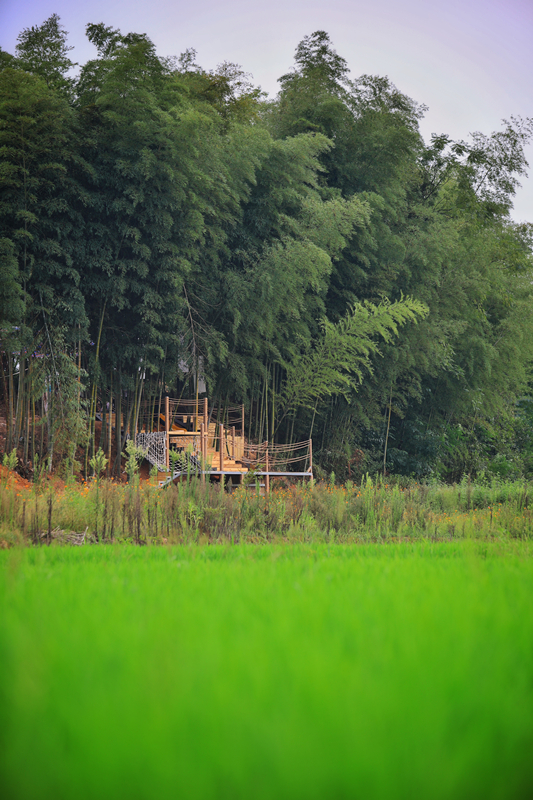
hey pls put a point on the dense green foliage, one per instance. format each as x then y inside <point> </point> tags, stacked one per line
<point>310,256</point>
<point>267,672</point>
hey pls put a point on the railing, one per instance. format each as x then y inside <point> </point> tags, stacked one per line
<point>155,447</point>
<point>296,457</point>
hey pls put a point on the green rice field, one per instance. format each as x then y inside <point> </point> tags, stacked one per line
<point>267,671</point>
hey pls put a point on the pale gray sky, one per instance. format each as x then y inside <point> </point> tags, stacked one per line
<point>470,61</point>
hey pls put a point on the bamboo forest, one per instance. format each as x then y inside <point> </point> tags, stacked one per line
<point>167,231</point>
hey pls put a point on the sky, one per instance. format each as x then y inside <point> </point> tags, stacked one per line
<point>469,61</point>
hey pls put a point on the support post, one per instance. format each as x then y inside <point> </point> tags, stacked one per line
<point>202,450</point>
<point>311,457</point>
<point>221,437</point>
<point>242,421</point>
<point>206,426</point>
<point>167,432</point>
<point>267,476</point>
<point>233,442</point>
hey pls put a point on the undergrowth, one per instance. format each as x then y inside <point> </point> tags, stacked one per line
<point>376,510</point>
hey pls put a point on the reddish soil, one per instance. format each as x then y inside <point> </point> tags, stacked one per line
<point>13,479</point>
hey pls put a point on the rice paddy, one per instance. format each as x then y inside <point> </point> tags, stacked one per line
<point>309,669</point>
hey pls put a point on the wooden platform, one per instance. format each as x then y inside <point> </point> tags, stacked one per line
<point>214,450</point>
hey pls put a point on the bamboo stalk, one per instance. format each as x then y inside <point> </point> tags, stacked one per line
<point>259,416</point>
<point>118,423</point>
<point>92,406</point>
<point>313,420</point>
<point>27,406</point>
<point>10,407</point>
<point>33,434</point>
<point>4,382</point>
<point>18,414</point>
<point>252,417</point>
<point>152,408</point>
<point>50,423</point>
<point>110,423</point>
<point>266,405</point>
<point>79,395</point>
<point>94,389</point>
<point>103,427</point>
<point>127,424</point>
<point>273,401</point>
<point>217,423</point>
<point>135,411</point>
<point>167,431</point>
<point>195,428</point>
<point>42,428</point>
<point>138,406</point>
<point>387,434</point>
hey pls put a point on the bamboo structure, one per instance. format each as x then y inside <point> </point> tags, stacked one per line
<point>216,450</point>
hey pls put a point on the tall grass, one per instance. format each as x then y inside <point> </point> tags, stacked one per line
<point>303,671</point>
<point>190,512</point>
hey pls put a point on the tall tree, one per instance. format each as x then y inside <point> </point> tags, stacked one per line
<point>43,51</point>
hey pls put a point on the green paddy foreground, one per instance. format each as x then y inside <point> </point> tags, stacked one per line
<point>273,671</point>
